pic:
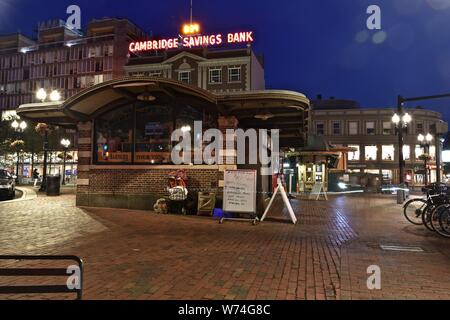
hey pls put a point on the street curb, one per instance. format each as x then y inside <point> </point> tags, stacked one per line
<point>27,195</point>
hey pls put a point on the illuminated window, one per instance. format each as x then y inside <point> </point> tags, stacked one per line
<point>387,128</point>
<point>215,76</point>
<point>355,155</point>
<point>387,153</point>
<point>370,128</point>
<point>336,127</point>
<point>406,153</point>
<point>353,128</point>
<point>371,153</point>
<point>234,74</point>
<point>320,129</point>
<point>184,76</point>
<point>418,152</point>
<point>432,152</point>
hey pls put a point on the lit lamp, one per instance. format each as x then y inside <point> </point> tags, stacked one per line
<point>18,128</point>
<point>401,122</point>
<point>41,94</point>
<point>55,96</point>
<point>65,143</point>
<point>425,142</point>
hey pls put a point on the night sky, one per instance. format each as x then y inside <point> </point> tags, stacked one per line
<point>310,46</point>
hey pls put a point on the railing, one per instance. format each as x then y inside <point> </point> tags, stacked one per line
<point>44,272</point>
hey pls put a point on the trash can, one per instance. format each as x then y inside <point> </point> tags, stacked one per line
<point>401,196</point>
<point>53,185</point>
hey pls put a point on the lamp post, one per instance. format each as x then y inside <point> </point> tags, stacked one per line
<point>425,142</point>
<point>43,129</point>
<point>401,121</point>
<point>65,143</point>
<point>19,128</point>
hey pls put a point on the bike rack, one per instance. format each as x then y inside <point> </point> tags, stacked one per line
<point>33,272</point>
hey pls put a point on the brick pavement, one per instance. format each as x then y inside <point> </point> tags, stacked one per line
<point>140,255</point>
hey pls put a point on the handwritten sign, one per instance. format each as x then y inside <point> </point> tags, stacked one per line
<point>239,193</point>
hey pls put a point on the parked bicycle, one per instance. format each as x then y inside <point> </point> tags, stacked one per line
<point>433,212</point>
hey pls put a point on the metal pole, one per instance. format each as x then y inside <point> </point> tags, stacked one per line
<point>401,162</point>
<point>427,152</point>
<point>44,174</point>
<point>64,168</point>
<point>17,167</point>
<point>438,158</point>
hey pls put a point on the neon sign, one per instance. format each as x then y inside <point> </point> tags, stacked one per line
<point>192,41</point>
<point>190,29</point>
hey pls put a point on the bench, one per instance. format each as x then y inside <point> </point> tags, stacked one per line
<point>42,272</point>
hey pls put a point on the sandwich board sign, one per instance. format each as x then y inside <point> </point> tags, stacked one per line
<point>280,189</point>
<point>239,194</point>
<point>317,191</point>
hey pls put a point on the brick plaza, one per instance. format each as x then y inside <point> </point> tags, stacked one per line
<point>142,255</point>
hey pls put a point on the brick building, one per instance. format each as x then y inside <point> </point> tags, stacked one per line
<point>213,70</point>
<point>62,59</point>
<point>135,116</point>
<point>371,133</point>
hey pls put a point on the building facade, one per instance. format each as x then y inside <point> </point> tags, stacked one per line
<point>62,59</point>
<point>372,134</point>
<point>216,70</point>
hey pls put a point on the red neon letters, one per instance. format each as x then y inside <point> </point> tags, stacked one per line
<point>191,42</point>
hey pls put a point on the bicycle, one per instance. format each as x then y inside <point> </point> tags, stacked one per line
<point>418,211</point>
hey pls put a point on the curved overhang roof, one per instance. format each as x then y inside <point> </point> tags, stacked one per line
<point>268,109</point>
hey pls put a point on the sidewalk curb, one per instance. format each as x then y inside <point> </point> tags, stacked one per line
<point>27,195</point>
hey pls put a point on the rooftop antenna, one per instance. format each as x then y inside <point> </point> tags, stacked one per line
<point>191,12</point>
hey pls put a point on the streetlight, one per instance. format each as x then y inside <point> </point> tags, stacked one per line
<point>19,128</point>
<point>401,121</point>
<point>55,96</point>
<point>41,94</point>
<point>65,143</point>
<point>425,142</point>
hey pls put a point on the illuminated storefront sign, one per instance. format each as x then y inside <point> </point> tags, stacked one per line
<point>192,41</point>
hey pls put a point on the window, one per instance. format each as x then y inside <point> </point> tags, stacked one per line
<point>432,152</point>
<point>387,128</point>
<point>215,76</point>
<point>371,153</point>
<point>320,129</point>
<point>355,155</point>
<point>353,128</point>
<point>114,138</point>
<point>387,153</point>
<point>184,76</point>
<point>370,128</point>
<point>418,152</point>
<point>336,127</point>
<point>234,74</point>
<point>419,128</point>
<point>406,153</point>
<point>154,126</point>
<point>141,132</point>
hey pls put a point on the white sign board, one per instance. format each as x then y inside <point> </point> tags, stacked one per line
<point>239,194</point>
<point>317,191</point>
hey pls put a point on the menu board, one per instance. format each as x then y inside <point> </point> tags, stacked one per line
<point>239,194</point>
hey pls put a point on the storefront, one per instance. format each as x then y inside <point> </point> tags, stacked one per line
<point>124,135</point>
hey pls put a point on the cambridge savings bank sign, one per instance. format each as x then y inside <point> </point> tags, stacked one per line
<point>192,41</point>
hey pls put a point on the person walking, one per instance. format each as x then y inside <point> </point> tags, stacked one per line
<point>35,177</point>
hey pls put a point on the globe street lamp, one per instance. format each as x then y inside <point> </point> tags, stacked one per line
<point>401,121</point>
<point>19,128</point>
<point>425,142</point>
<point>65,143</point>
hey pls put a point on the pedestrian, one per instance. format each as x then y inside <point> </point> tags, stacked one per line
<point>35,177</point>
